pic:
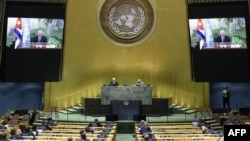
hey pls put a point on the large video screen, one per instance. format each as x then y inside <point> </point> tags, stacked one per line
<point>30,33</point>
<point>218,33</point>
<point>219,41</point>
<point>32,41</point>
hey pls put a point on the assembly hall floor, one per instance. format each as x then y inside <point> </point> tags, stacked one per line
<point>125,129</point>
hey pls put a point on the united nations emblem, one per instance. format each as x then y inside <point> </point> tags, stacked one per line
<point>126,21</point>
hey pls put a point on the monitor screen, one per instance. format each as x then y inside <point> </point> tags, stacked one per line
<point>218,33</point>
<point>218,41</point>
<point>32,41</point>
<point>34,33</point>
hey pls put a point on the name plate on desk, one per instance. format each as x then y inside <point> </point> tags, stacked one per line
<point>142,93</point>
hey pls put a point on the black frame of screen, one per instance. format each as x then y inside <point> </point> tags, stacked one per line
<point>27,65</point>
<point>220,65</point>
<point>1,14</point>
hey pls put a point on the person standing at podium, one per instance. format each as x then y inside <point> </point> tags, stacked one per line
<point>114,82</point>
<point>139,83</point>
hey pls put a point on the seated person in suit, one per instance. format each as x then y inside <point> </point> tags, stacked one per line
<point>148,136</point>
<point>17,135</point>
<point>114,82</point>
<point>141,123</point>
<point>40,38</point>
<point>139,83</point>
<point>49,123</point>
<point>201,123</point>
<point>33,131</point>
<point>89,128</point>
<point>5,127</point>
<point>83,136</point>
<point>222,38</point>
<point>32,117</point>
<point>70,139</point>
<point>145,128</point>
<point>96,123</point>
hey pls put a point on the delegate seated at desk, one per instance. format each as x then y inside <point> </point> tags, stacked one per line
<point>40,38</point>
<point>222,38</point>
<point>114,82</point>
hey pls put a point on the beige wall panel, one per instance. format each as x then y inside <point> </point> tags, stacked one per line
<point>91,59</point>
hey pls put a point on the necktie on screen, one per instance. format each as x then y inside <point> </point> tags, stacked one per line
<point>39,39</point>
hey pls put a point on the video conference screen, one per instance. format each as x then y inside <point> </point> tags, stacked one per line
<point>33,41</point>
<point>218,33</point>
<point>219,40</point>
<point>32,33</point>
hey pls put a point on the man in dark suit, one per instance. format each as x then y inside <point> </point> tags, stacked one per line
<point>226,98</point>
<point>40,38</point>
<point>114,82</point>
<point>139,83</point>
<point>96,123</point>
<point>17,135</point>
<point>223,38</point>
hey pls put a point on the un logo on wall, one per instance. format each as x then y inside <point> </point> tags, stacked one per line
<point>126,21</point>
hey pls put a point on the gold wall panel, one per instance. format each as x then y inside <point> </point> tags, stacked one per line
<point>91,60</point>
